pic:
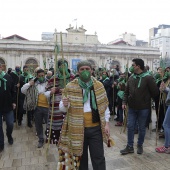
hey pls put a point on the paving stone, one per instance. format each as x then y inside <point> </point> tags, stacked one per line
<point>24,154</point>
<point>16,163</point>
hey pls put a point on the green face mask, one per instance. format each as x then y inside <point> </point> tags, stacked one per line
<point>61,70</point>
<point>157,76</point>
<point>48,77</point>
<point>41,79</point>
<point>104,76</point>
<point>85,76</point>
<point>168,74</point>
<point>120,79</point>
<point>131,69</point>
<point>25,73</point>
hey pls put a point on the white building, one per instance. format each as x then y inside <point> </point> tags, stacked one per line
<point>161,40</point>
<point>129,38</point>
<point>76,46</point>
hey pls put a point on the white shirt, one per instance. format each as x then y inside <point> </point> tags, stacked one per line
<point>86,108</point>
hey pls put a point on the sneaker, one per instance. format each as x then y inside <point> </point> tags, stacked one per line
<point>161,149</point>
<point>127,150</point>
<point>40,144</point>
<point>118,124</point>
<point>168,150</point>
<point>139,149</point>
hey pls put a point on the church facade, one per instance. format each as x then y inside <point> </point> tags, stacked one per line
<point>16,50</point>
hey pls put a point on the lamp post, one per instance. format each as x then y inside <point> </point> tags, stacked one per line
<point>50,62</point>
<point>109,61</point>
<point>156,63</point>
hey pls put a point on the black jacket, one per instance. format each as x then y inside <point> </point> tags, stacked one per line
<point>140,98</point>
<point>8,96</point>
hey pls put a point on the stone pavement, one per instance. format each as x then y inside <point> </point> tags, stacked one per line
<point>24,155</point>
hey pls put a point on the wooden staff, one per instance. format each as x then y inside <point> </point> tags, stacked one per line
<point>65,91</point>
<point>56,51</point>
<point>17,103</point>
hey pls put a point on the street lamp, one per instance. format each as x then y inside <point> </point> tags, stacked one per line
<point>109,61</point>
<point>156,63</point>
<point>50,62</point>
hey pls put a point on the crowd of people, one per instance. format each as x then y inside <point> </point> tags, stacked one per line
<point>76,108</point>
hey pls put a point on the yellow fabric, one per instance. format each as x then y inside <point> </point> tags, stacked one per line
<point>42,101</point>
<point>88,120</point>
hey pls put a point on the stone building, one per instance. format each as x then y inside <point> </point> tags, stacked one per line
<point>76,46</point>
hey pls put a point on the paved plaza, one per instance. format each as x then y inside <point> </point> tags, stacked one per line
<point>24,154</point>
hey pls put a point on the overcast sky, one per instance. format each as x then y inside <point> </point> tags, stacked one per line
<point>109,18</point>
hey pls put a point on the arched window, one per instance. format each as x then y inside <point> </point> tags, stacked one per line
<point>32,64</point>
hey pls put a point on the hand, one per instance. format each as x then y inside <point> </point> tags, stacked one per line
<point>18,85</point>
<point>65,101</point>
<point>13,106</point>
<point>31,82</point>
<point>107,129</point>
<point>53,90</point>
<point>123,106</point>
<point>162,86</point>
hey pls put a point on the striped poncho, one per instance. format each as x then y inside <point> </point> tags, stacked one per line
<point>72,137</point>
<point>58,116</point>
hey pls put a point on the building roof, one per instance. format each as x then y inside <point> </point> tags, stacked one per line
<point>120,42</point>
<point>15,36</point>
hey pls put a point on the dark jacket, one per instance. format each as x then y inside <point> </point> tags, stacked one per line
<point>8,96</point>
<point>140,98</point>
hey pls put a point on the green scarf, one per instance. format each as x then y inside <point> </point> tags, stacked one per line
<point>15,73</point>
<point>105,79</point>
<point>120,94</point>
<point>87,87</point>
<point>29,76</point>
<point>140,76</point>
<point>1,78</point>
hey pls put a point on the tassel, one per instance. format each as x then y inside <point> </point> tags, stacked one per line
<point>110,142</point>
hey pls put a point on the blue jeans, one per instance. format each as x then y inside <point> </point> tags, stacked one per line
<point>166,125</point>
<point>9,118</point>
<point>133,116</point>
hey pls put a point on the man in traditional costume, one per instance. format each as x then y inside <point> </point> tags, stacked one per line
<point>138,92</point>
<point>86,124</point>
<point>58,116</point>
<point>7,104</point>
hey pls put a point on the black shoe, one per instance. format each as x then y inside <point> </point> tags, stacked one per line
<point>140,149</point>
<point>29,125</point>
<point>19,123</point>
<point>127,150</point>
<point>40,144</point>
<point>1,148</point>
<point>10,140</point>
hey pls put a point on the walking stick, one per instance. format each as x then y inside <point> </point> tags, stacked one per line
<point>16,117</point>
<point>56,51</point>
<point>160,96</point>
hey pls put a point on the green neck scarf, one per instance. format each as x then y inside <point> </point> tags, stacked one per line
<point>87,87</point>
<point>16,73</point>
<point>29,76</point>
<point>120,94</point>
<point>105,79</point>
<point>3,79</point>
<point>140,76</point>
